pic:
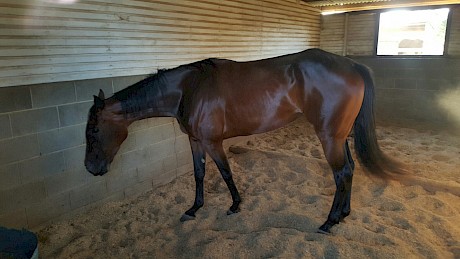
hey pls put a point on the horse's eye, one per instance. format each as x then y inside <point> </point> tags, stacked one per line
<point>95,130</point>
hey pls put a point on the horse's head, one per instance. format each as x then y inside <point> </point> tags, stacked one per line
<point>104,134</point>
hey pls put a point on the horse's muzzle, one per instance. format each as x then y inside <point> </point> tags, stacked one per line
<point>96,171</point>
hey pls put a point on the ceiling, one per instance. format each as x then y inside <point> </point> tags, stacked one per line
<point>321,3</point>
<point>361,5</point>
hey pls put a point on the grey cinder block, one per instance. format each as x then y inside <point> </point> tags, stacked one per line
<point>19,148</point>
<point>184,169</point>
<point>160,121</point>
<point>139,125</point>
<point>87,88</point>
<point>133,159</point>
<point>403,83</point>
<point>22,196</point>
<point>122,82</point>
<point>128,145</point>
<point>64,182</point>
<point>169,163</point>
<point>159,180</point>
<point>10,176</point>
<point>72,114</point>
<point>167,131</point>
<point>150,170</point>
<point>32,121</point>
<point>117,182</point>
<point>161,149</point>
<point>5,126</point>
<point>148,137</point>
<point>42,166</point>
<point>182,143</point>
<point>59,139</point>
<point>51,207</point>
<point>87,194</point>
<point>184,157</point>
<point>53,94</point>
<point>15,98</point>
<point>75,157</point>
<point>138,189</point>
<point>433,84</point>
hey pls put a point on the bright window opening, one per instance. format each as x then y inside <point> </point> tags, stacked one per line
<point>421,32</point>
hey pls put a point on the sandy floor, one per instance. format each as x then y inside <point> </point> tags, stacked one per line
<point>287,190</point>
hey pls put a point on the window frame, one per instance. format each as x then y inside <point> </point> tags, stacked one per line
<point>446,36</point>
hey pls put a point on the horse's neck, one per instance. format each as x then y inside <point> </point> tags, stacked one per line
<point>151,97</point>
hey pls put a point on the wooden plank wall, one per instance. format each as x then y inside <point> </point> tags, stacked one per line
<point>359,39</point>
<point>332,33</point>
<point>49,41</point>
<point>454,37</point>
<point>361,34</point>
<point>362,30</point>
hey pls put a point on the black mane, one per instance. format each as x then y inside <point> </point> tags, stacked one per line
<point>144,94</point>
<point>135,98</point>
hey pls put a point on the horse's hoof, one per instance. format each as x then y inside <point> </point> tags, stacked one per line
<point>325,228</point>
<point>186,217</point>
<point>320,231</point>
<point>230,212</point>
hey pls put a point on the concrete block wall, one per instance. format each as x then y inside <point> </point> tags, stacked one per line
<point>421,90</point>
<point>42,148</point>
<point>410,90</point>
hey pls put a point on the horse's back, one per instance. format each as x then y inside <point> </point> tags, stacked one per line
<point>262,95</point>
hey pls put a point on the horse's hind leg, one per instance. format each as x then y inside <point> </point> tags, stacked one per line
<point>216,151</point>
<point>350,158</point>
<point>339,158</point>
<point>199,165</point>
<point>346,206</point>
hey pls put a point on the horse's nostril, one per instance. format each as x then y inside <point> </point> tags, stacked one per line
<point>104,169</point>
<point>90,168</point>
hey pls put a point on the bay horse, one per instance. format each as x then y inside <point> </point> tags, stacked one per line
<point>216,99</point>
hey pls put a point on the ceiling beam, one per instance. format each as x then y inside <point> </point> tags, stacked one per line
<point>384,5</point>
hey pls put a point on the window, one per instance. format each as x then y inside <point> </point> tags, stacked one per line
<point>421,32</point>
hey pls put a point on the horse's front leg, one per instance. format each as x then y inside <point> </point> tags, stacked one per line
<point>216,151</point>
<point>199,166</point>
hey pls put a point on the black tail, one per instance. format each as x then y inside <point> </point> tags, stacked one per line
<point>366,146</point>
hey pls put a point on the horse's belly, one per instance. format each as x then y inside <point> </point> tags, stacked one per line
<point>260,121</point>
<point>276,123</point>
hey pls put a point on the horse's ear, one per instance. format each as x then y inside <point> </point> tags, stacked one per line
<point>101,94</point>
<point>98,102</point>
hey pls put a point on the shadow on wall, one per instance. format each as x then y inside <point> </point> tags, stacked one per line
<point>449,101</point>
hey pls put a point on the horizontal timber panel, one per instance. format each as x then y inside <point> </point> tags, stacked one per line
<point>169,53</point>
<point>361,31</point>
<point>333,33</point>
<point>41,41</point>
<point>117,12</point>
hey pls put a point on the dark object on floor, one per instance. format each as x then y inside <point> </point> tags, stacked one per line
<point>18,244</point>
